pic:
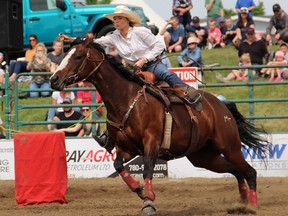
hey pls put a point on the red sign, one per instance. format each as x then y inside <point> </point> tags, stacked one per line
<point>188,74</point>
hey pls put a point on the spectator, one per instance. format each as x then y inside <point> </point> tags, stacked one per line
<point>279,60</point>
<point>191,56</point>
<point>181,10</point>
<point>229,32</point>
<point>222,25</point>
<point>2,129</point>
<point>68,114</point>
<point>57,98</point>
<point>17,67</point>
<point>57,54</point>
<point>39,63</point>
<point>214,10</point>
<point>174,35</point>
<point>83,129</point>
<point>199,31</point>
<point>284,49</point>
<point>241,74</point>
<point>2,67</point>
<point>280,21</point>
<point>85,97</point>
<point>214,36</point>
<point>245,3</point>
<point>243,23</point>
<point>256,48</point>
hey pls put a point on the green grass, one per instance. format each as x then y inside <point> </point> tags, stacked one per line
<point>225,57</point>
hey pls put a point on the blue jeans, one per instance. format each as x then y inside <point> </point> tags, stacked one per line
<point>162,73</point>
<point>17,67</point>
<point>34,86</point>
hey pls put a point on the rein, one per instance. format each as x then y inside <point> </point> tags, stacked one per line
<point>73,78</point>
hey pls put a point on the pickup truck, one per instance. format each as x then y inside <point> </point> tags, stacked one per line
<point>48,18</point>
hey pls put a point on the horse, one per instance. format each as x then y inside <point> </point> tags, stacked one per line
<point>210,139</point>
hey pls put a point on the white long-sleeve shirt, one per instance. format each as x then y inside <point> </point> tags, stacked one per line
<point>140,43</point>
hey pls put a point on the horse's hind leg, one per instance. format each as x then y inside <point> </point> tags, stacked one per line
<point>210,160</point>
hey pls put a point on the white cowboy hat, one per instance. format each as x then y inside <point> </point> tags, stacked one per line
<point>192,40</point>
<point>124,11</point>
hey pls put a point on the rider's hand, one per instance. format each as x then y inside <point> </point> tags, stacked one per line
<point>66,38</point>
<point>139,64</point>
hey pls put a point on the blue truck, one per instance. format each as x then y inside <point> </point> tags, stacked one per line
<point>48,18</point>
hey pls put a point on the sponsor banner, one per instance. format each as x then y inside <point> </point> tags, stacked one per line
<point>86,159</point>
<point>274,164</point>
<point>7,169</point>
<point>189,75</point>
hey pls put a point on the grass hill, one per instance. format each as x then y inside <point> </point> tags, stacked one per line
<point>225,57</point>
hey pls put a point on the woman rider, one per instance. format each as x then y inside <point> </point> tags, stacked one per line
<point>140,49</point>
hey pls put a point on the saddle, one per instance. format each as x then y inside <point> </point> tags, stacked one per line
<point>162,91</point>
<point>168,95</point>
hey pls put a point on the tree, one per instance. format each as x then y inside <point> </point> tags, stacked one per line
<point>90,2</point>
<point>259,9</point>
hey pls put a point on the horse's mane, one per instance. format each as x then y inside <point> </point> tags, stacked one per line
<point>115,61</point>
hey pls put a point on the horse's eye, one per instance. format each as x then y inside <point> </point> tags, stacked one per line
<point>78,57</point>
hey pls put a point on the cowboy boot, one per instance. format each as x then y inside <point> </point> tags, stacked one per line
<point>193,98</point>
<point>105,141</point>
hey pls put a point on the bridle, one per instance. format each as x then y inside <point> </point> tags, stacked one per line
<point>74,77</point>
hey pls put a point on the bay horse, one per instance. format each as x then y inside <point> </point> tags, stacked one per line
<point>136,123</point>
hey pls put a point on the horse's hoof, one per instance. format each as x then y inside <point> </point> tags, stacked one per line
<point>149,210</point>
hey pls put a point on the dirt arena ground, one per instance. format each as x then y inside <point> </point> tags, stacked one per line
<point>180,197</point>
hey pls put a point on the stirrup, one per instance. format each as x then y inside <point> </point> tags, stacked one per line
<point>196,104</point>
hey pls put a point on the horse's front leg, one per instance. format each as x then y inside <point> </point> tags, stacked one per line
<point>126,176</point>
<point>148,207</point>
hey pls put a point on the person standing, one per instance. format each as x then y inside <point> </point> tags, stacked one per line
<point>214,9</point>
<point>181,10</point>
<point>245,3</point>
<point>280,21</point>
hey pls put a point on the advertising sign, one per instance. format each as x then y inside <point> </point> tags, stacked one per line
<point>189,75</point>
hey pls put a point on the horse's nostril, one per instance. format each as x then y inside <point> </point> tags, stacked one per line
<point>53,79</point>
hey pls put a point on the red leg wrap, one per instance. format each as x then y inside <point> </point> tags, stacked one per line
<point>129,180</point>
<point>253,198</point>
<point>244,192</point>
<point>148,190</point>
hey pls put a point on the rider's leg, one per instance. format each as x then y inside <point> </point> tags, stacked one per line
<point>161,72</point>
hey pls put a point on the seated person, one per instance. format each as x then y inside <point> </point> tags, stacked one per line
<point>191,56</point>
<point>174,35</point>
<point>2,67</point>
<point>229,32</point>
<point>68,114</point>
<point>17,67</point>
<point>240,74</point>
<point>279,60</point>
<point>85,97</point>
<point>39,63</point>
<point>243,23</point>
<point>57,54</point>
<point>214,36</point>
<point>85,129</point>
<point>57,98</point>
<point>200,32</point>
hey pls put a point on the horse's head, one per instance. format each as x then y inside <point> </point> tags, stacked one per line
<point>78,65</point>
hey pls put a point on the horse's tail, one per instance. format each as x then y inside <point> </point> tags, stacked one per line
<point>249,135</point>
